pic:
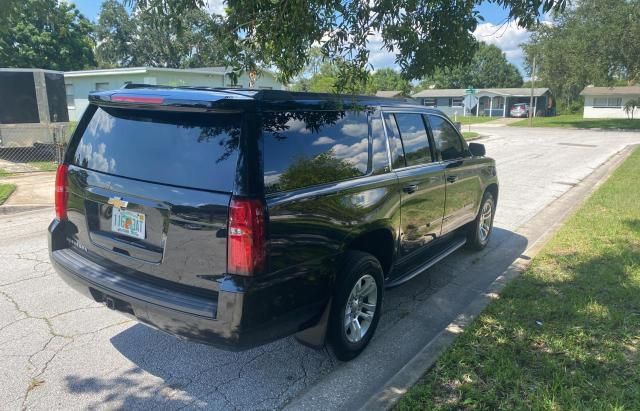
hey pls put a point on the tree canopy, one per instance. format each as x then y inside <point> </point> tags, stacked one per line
<point>423,34</point>
<point>147,38</point>
<point>47,34</point>
<point>595,42</point>
<point>325,79</point>
<point>488,68</point>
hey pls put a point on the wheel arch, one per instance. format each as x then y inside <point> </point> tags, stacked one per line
<point>494,190</point>
<point>379,242</point>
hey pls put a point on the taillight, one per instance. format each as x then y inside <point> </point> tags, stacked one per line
<point>62,193</point>
<point>246,252</point>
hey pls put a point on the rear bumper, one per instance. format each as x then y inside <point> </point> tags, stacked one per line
<point>220,320</point>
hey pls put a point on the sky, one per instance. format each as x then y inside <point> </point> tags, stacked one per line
<point>493,31</point>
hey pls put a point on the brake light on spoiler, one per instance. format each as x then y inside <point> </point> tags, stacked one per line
<point>137,99</point>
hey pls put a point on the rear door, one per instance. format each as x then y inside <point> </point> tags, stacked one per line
<point>422,184</point>
<point>462,172</point>
<point>149,192</point>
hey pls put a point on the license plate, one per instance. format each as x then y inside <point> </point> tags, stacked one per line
<point>128,223</point>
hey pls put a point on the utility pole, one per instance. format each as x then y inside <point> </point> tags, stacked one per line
<point>533,82</point>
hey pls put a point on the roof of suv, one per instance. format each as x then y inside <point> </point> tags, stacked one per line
<point>276,98</point>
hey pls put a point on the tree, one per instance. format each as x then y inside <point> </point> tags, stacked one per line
<point>630,106</point>
<point>326,78</point>
<point>595,42</point>
<point>423,34</point>
<point>47,34</point>
<point>488,68</point>
<point>147,38</point>
<point>387,79</point>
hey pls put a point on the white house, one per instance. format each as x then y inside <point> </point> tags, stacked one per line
<point>80,83</point>
<point>492,102</point>
<point>608,102</point>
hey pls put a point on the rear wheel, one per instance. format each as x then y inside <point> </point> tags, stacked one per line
<point>356,305</point>
<point>480,229</point>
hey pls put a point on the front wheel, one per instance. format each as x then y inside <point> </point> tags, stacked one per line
<point>356,305</point>
<point>480,229</point>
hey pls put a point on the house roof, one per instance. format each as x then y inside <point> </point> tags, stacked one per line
<point>442,92</point>
<point>388,93</point>
<point>31,70</point>
<point>460,92</point>
<point>218,71</point>
<point>609,91</point>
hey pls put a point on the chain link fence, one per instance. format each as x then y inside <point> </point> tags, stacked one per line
<point>33,148</point>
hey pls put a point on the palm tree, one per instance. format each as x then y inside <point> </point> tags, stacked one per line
<point>630,106</point>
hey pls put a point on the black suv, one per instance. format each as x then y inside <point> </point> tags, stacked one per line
<point>237,217</point>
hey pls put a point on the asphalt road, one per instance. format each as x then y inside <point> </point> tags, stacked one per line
<point>60,350</point>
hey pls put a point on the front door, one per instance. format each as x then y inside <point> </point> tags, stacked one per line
<point>422,183</point>
<point>463,185</point>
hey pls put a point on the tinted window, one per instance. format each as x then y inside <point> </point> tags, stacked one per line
<point>306,148</point>
<point>194,150</point>
<point>414,138</point>
<point>395,145</point>
<point>380,160</point>
<point>446,138</point>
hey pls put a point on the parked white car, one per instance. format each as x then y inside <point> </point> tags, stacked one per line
<point>519,110</point>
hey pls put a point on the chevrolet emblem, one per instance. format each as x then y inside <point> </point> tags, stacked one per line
<point>118,202</point>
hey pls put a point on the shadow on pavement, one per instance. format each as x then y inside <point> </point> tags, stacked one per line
<point>172,374</point>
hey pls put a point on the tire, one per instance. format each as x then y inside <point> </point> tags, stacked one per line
<point>360,272</point>
<point>480,229</point>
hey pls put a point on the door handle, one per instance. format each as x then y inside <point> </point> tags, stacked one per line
<point>410,188</point>
<point>452,179</point>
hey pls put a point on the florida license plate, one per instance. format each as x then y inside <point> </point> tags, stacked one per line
<point>128,223</point>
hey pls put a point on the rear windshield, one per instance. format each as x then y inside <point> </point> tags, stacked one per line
<point>195,150</point>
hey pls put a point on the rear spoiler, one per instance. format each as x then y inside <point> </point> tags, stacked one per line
<point>143,96</point>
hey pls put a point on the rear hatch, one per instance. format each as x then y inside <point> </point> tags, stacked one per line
<point>149,190</point>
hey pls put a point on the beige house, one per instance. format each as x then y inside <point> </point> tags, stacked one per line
<point>608,102</point>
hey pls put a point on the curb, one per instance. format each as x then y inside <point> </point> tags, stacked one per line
<point>13,209</point>
<point>413,370</point>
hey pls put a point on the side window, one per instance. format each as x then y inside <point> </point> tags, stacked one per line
<point>414,138</point>
<point>305,148</point>
<point>380,160</point>
<point>395,145</point>
<point>447,139</point>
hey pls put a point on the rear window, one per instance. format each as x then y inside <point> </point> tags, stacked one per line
<point>196,150</point>
<point>305,148</point>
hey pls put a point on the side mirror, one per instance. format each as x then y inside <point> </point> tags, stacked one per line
<point>477,149</point>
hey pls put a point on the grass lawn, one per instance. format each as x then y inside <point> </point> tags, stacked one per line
<point>470,135</point>
<point>576,121</point>
<point>4,173</point>
<point>44,165</point>
<point>566,333</point>
<point>5,191</point>
<point>473,119</point>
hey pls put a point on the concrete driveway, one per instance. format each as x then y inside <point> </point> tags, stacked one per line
<point>60,350</point>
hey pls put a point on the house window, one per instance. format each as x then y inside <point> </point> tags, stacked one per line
<point>71,102</point>
<point>102,86</point>
<point>456,102</point>
<point>607,102</point>
<point>430,102</point>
